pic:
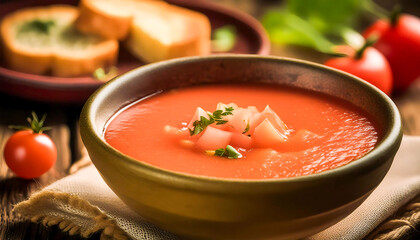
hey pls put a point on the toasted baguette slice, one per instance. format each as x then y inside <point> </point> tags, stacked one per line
<point>110,18</point>
<point>168,32</point>
<point>43,40</point>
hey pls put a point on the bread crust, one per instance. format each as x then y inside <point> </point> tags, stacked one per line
<point>50,59</point>
<point>195,39</point>
<point>93,20</point>
<point>118,19</point>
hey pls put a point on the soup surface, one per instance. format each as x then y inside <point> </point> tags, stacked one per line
<point>342,132</point>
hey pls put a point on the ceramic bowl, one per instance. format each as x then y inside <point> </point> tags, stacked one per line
<point>213,208</point>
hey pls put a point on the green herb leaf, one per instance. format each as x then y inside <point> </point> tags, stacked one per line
<point>229,152</point>
<point>217,114</point>
<point>219,152</point>
<point>215,117</point>
<point>221,122</point>
<point>204,122</point>
<point>232,152</point>
<point>229,109</point>
<point>224,38</point>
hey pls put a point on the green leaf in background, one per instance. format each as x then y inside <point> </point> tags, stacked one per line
<point>223,38</point>
<point>327,16</point>
<point>318,24</point>
<point>284,27</point>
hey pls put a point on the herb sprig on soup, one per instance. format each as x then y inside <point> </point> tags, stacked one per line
<point>243,131</point>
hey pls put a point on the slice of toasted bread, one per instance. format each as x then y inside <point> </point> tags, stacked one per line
<point>110,18</point>
<point>42,40</point>
<point>169,32</point>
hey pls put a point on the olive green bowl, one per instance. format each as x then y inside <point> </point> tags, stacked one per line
<point>214,208</point>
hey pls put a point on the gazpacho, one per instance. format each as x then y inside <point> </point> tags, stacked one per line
<point>242,131</point>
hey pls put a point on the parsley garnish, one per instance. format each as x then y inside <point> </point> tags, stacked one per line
<point>215,117</point>
<point>229,152</point>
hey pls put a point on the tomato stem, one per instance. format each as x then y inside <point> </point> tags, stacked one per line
<point>369,42</point>
<point>395,15</point>
<point>36,125</point>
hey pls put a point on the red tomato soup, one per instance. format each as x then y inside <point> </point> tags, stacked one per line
<point>300,133</point>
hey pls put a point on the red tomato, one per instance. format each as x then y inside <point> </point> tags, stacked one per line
<point>29,154</point>
<point>400,44</point>
<point>371,67</point>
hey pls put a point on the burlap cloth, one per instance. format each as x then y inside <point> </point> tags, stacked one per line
<point>83,204</point>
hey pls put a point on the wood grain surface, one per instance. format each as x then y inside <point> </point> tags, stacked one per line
<point>63,120</point>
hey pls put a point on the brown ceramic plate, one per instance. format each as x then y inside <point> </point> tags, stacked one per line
<point>252,39</point>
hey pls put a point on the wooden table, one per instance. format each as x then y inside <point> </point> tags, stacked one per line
<point>64,133</point>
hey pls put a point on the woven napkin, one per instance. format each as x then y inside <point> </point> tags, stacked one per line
<point>83,204</point>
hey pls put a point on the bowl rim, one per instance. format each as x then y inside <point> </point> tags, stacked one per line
<point>391,137</point>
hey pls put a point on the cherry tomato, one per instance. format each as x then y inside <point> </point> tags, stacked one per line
<point>371,66</point>
<point>400,44</point>
<point>29,153</point>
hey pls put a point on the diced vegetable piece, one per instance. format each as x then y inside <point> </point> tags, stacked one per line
<point>241,140</point>
<point>198,113</point>
<point>275,120</point>
<point>266,135</point>
<point>239,121</point>
<point>213,138</point>
<point>254,121</point>
<point>253,109</point>
<point>222,106</point>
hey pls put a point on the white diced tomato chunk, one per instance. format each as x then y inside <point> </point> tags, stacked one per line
<point>266,135</point>
<point>241,140</point>
<point>198,113</point>
<point>240,120</point>
<point>274,119</point>
<point>252,109</point>
<point>213,138</point>
<point>222,106</point>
